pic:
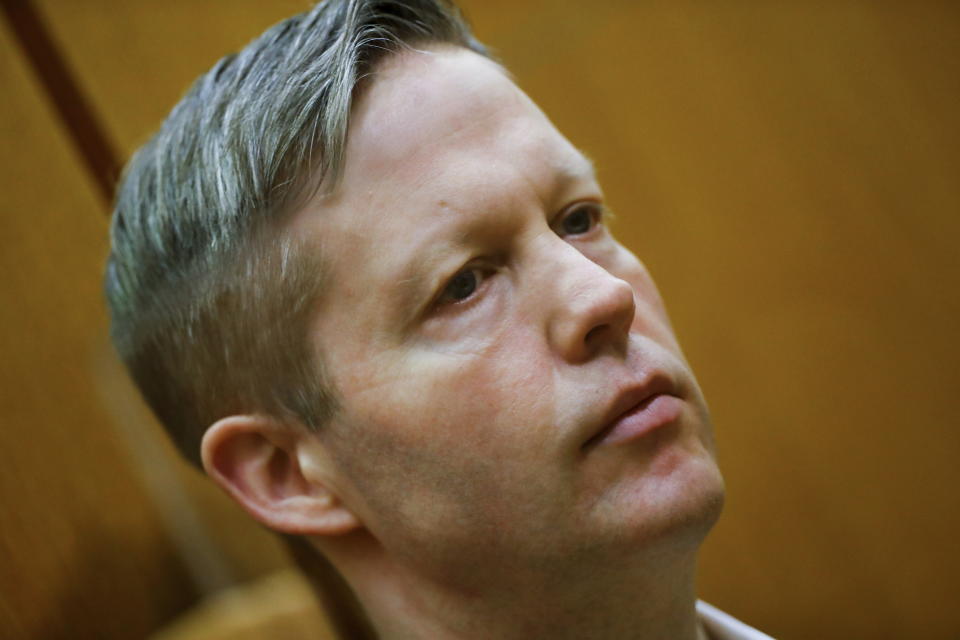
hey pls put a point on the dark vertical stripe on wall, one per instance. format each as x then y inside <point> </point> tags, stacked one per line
<point>64,93</point>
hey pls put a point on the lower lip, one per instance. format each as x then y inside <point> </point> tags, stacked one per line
<point>648,416</point>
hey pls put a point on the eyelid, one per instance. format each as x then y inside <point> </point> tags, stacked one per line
<point>483,276</point>
<point>598,214</point>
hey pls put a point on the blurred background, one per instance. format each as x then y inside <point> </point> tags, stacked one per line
<point>787,169</point>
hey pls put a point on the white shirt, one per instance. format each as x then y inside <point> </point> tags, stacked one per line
<point>722,626</point>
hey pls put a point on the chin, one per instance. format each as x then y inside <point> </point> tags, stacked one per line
<point>677,501</point>
<point>698,499</point>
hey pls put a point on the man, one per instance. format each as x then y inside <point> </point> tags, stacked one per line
<point>413,340</point>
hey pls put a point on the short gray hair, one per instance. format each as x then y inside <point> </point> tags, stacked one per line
<point>209,299</point>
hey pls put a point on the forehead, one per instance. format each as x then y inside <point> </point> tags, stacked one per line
<point>431,110</point>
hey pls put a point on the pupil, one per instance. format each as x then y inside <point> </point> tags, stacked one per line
<point>577,222</point>
<point>463,285</point>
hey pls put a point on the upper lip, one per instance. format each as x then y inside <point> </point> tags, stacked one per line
<point>628,398</point>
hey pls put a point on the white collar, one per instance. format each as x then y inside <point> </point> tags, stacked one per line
<point>722,626</point>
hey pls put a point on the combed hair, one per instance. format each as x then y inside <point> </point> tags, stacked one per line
<point>209,299</point>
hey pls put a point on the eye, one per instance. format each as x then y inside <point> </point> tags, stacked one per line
<point>461,286</point>
<point>578,220</point>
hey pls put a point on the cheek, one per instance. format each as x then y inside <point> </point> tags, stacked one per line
<point>492,398</point>
<point>448,443</point>
<point>651,318</point>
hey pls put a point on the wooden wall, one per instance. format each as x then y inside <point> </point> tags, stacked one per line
<point>787,169</point>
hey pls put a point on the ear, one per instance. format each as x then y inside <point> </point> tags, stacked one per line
<point>261,464</point>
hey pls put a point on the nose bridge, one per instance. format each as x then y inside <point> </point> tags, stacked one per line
<point>590,309</point>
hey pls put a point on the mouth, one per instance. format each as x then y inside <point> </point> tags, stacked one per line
<point>636,412</point>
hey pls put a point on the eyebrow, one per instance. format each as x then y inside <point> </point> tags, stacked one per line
<point>584,167</point>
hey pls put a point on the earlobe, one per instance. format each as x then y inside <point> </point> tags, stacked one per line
<point>258,462</point>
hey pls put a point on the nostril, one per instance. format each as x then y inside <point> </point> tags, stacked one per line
<point>594,333</point>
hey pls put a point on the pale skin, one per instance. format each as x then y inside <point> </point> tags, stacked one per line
<point>479,322</point>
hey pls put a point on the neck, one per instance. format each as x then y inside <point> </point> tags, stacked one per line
<point>642,597</point>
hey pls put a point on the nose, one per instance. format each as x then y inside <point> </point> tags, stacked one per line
<point>592,309</point>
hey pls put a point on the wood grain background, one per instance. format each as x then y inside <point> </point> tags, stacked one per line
<point>787,169</point>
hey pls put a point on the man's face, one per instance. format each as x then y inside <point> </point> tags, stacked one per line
<point>487,335</point>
